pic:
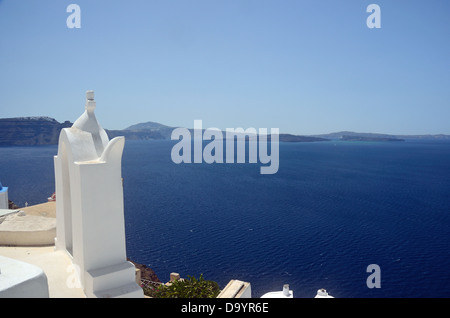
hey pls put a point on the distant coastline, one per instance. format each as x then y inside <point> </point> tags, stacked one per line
<point>362,138</point>
<point>30,131</point>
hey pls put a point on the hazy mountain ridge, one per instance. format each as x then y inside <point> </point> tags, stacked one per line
<point>29,131</point>
<point>40,130</point>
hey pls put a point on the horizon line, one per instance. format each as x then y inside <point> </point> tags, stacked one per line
<point>286,133</point>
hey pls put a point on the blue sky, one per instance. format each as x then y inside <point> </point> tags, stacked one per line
<point>305,67</point>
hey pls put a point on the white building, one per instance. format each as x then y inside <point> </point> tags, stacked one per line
<point>3,197</point>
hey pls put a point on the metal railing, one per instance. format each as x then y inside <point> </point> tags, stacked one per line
<point>145,283</point>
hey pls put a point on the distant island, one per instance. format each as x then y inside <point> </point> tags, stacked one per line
<point>362,138</point>
<point>30,131</point>
<point>358,136</point>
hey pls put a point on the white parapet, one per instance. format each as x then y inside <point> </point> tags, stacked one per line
<point>89,207</point>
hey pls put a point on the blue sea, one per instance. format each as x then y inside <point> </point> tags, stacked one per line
<point>332,209</point>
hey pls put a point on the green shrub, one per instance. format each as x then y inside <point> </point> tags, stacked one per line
<point>186,288</point>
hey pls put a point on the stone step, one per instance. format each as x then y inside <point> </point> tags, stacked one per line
<point>131,290</point>
<point>110,280</point>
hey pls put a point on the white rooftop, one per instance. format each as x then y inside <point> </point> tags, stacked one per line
<point>285,293</point>
<point>322,293</point>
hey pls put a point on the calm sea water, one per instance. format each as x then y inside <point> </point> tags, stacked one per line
<point>332,209</point>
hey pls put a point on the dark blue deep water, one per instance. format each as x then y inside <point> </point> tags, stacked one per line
<point>332,209</point>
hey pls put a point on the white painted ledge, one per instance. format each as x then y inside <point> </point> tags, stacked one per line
<point>236,289</point>
<point>27,230</point>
